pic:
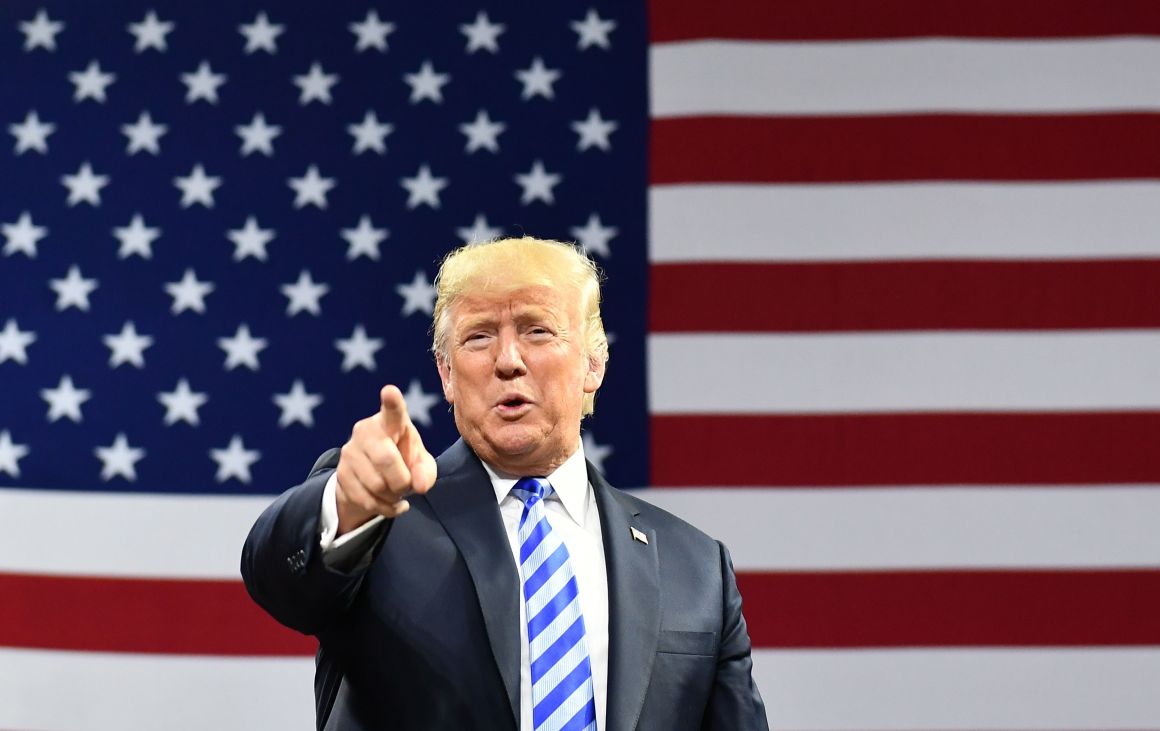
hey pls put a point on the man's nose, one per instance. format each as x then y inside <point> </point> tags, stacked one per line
<point>509,361</point>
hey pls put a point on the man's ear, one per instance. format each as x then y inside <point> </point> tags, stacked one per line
<point>445,377</point>
<point>595,374</point>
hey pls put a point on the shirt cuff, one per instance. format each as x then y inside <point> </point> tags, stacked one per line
<point>351,550</point>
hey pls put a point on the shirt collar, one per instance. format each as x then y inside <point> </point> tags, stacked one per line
<point>569,481</point>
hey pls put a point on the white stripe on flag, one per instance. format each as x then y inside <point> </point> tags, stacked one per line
<point>1101,220</point>
<point>893,372</point>
<point>131,535</point>
<point>926,528</point>
<point>994,526</point>
<point>747,78</point>
<point>50,691</point>
<point>1056,688</point>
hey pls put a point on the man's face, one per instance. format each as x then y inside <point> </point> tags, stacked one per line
<point>517,374</point>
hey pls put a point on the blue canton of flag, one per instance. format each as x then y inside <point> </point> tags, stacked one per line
<point>221,222</point>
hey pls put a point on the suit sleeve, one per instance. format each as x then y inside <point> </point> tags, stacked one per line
<point>734,703</point>
<point>282,562</point>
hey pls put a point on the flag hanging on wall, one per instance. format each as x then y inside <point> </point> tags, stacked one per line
<point>881,289</point>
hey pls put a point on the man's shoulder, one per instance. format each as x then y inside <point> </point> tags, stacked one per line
<point>661,520</point>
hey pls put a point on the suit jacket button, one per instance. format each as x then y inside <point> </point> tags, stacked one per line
<point>297,562</point>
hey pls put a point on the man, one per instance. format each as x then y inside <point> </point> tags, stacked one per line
<point>505,585</point>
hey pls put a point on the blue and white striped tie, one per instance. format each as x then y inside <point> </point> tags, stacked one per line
<point>562,698</point>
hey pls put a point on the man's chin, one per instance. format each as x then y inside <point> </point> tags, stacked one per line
<point>517,449</point>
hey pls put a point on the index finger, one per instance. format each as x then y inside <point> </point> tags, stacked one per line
<point>393,410</point>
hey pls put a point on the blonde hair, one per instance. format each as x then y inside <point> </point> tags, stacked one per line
<point>510,264</point>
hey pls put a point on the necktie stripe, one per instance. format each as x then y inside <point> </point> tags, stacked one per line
<point>553,599</point>
<point>558,650</point>
<point>570,683</point>
<point>572,711</point>
<point>545,636</point>
<point>545,570</point>
<point>548,545</point>
<point>561,670</point>
<point>534,539</point>
<point>584,720</point>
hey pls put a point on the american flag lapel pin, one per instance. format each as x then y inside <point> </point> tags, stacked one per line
<point>638,535</point>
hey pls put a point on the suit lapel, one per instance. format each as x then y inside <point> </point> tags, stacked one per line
<point>634,613</point>
<point>465,504</point>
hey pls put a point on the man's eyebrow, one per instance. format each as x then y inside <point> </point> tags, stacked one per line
<point>536,312</point>
<point>470,322</point>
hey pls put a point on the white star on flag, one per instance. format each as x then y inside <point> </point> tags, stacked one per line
<point>91,83</point>
<point>40,32</point>
<point>358,351</point>
<point>144,134</point>
<point>364,239</point>
<point>235,460</point>
<point>538,184</point>
<point>311,188</point>
<point>31,134</point>
<point>22,236</point>
<point>181,404</point>
<point>482,34</point>
<point>370,134</point>
<point>593,31</point>
<point>202,84</point>
<point>197,187</point>
<point>14,342</point>
<point>371,32</point>
<point>127,346</point>
<point>150,33</point>
<point>304,295</point>
<point>315,85</point>
<point>297,406</point>
<point>482,132</point>
<point>136,238</point>
<point>250,240</point>
<point>419,402</point>
<point>423,188</point>
<point>189,293</point>
<point>594,236</point>
<point>537,80</point>
<point>426,84</point>
<point>258,136</point>
<point>119,459</point>
<point>595,453</point>
<point>418,295</point>
<point>10,454</point>
<point>65,400</point>
<point>478,231</point>
<point>594,131</point>
<point>73,290</point>
<point>84,186</point>
<point>261,35</point>
<point>242,349</point>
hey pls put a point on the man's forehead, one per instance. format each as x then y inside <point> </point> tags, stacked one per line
<point>522,300</point>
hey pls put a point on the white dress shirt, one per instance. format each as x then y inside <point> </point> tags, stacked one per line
<point>573,515</point>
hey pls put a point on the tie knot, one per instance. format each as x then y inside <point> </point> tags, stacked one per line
<point>532,489</point>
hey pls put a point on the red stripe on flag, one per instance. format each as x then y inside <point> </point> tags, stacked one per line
<point>783,609</point>
<point>915,295</point>
<point>139,615</point>
<point>905,449</point>
<point>856,19</point>
<point>952,608</point>
<point>904,147</point>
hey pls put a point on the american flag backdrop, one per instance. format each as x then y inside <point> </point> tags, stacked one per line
<point>882,289</point>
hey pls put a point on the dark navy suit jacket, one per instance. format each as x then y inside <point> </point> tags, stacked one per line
<point>427,637</point>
